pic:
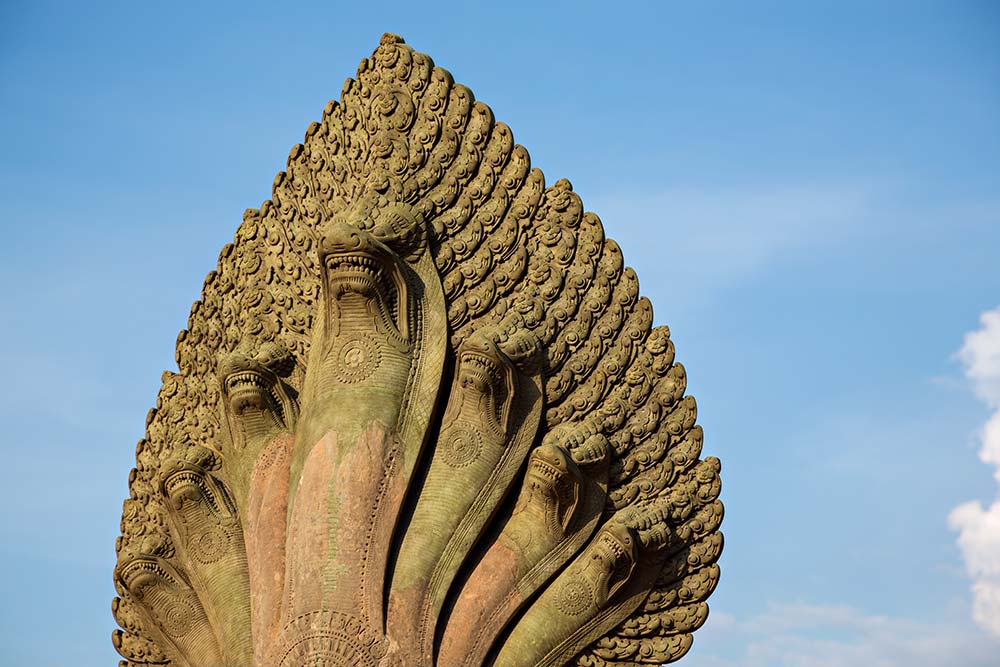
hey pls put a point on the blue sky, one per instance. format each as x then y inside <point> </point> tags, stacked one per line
<point>809,193</point>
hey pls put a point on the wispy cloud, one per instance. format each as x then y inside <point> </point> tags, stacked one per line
<point>978,527</point>
<point>717,236</point>
<point>720,236</point>
<point>807,635</point>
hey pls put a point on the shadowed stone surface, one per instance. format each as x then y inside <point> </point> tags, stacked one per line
<point>421,419</point>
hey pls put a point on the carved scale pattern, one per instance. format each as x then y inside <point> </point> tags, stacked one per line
<point>513,256</point>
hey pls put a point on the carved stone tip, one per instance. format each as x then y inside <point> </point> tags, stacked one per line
<point>390,38</point>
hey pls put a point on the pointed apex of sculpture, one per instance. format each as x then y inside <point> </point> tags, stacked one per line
<point>391,38</point>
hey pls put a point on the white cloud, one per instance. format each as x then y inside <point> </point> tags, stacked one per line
<point>981,355</point>
<point>978,527</point>
<point>805,635</point>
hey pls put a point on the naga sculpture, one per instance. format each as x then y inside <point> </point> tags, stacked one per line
<point>421,419</point>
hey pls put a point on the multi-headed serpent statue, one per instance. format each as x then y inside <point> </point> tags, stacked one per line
<point>421,419</point>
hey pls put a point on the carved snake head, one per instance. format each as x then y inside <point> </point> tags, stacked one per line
<point>256,399</point>
<point>363,270</point>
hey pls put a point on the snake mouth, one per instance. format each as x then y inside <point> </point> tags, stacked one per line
<point>478,371</point>
<point>363,273</point>
<point>484,374</point>
<point>363,279</point>
<point>255,399</point>
<point>189,484</point>
<point>616,544</point>
<point>141,573</point>
<point>483,378</point>
<point>549,462</point>
<point>254,390</point>
<point>551,482</point>
<point>616,549</point>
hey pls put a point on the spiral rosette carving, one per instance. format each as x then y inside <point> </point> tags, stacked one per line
<point>421,419</point>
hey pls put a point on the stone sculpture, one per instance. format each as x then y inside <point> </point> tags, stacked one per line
<point>421,419</point>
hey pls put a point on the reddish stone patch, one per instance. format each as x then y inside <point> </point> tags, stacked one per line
<point>487,602</point>
<point>267,509</point>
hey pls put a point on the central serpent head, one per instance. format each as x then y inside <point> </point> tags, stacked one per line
<point>363,271</point>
